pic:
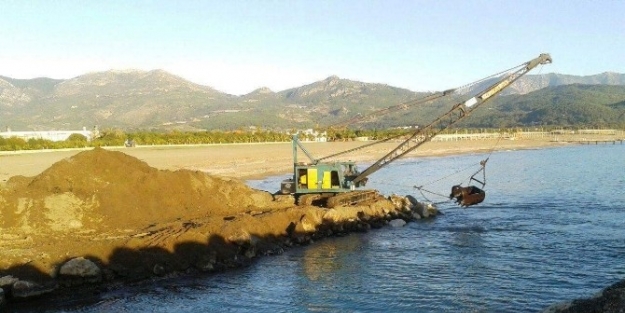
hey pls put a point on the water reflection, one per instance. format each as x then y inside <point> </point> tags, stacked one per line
<point>327,258</point>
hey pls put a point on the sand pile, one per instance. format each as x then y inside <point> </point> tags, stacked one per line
<point>103,190</point>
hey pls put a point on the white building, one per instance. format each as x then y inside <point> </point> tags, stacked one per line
<point>319,137</point>
<point>53,135</point>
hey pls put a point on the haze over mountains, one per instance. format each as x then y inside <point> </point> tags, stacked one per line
<point>159,100</point>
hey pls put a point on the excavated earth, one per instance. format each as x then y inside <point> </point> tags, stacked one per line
<point>118,219</point>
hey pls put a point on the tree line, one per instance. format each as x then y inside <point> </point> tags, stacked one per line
<point>116,137</point>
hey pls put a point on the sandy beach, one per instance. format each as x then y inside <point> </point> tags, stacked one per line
<point>249,161</point>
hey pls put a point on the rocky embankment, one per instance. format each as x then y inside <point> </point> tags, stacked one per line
<point>609,300</point>
<point>103,217</point>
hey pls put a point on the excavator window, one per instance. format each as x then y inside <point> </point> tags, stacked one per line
<point>302,180</point>
<point>350,170</point>
<point>336,182</point>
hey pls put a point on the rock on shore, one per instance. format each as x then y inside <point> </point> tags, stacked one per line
<point>609,300</point>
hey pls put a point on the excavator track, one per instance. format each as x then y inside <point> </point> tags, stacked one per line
<point>330,200</point>
<point>352,198</point>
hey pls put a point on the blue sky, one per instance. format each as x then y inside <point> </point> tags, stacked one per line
<point>238,46</point>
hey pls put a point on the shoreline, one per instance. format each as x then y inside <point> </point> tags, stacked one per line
<point>434,151</point>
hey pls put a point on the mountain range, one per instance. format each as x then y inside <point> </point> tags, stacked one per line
<point>157,100</point>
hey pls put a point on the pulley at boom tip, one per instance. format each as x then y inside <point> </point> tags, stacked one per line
<point>543,58</point>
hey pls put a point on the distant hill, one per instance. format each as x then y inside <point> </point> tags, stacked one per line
<point>564,105</point>
<point>529,83</point>
<point>124,99</point>
<point>158,100</point>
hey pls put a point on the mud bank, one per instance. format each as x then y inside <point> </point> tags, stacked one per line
<point>102,217</point>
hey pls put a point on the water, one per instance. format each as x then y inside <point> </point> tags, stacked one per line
<point>550,230</point>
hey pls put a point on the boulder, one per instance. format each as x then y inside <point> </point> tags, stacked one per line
<point>284,200</point>
<point>432,209</point>
<point>79,270</point>
<point>239,237</point>
<point>397,223</point>
<point>609,300</point>
<point>159,270</point>
<point>206,262</point>
<point>306,225</point>
<point>7,281</point>
<point>409,207</point>
<point>398,201</point>
<point>421,209</point>
<point>23,289</point>
<point>250,252</point>
<point>205,266</point>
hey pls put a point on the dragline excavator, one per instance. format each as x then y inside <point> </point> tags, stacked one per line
<point>329,183</point>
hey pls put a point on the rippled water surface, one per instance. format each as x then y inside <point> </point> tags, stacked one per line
<point>551,229</point>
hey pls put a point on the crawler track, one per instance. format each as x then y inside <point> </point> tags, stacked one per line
<point>330,200</point>
<point>352,198</point>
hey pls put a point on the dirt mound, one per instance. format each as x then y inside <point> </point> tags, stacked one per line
<point>100,189</point>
